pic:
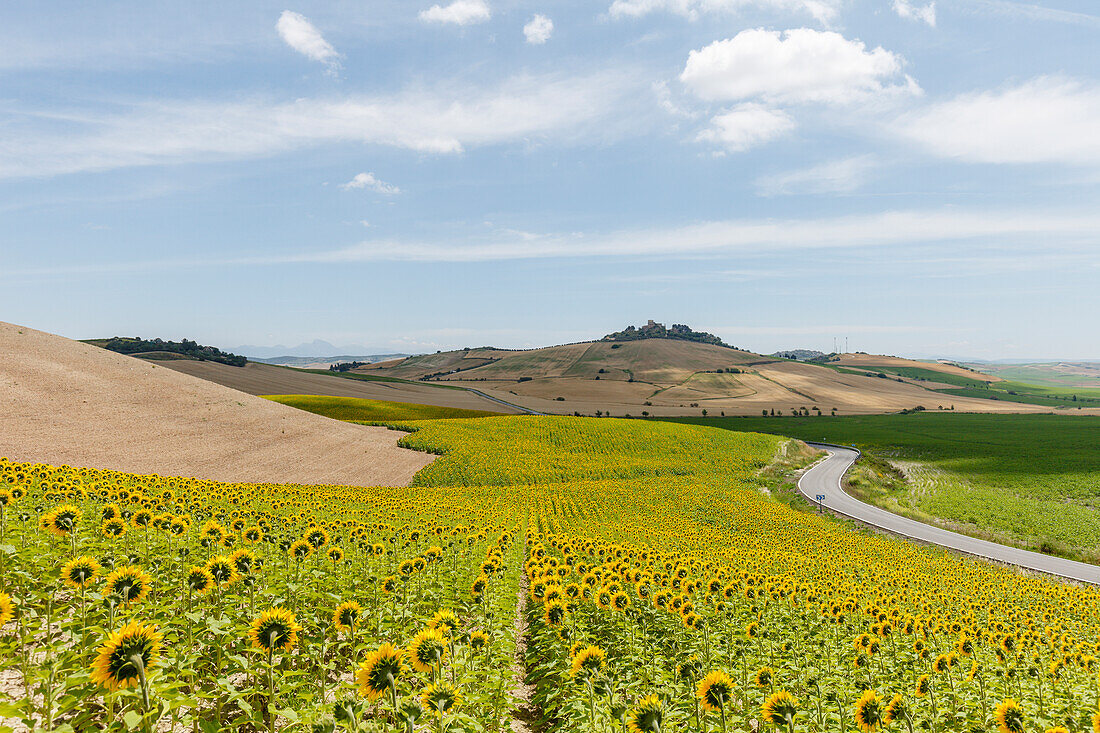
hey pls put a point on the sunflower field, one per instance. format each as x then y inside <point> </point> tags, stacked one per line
<point>631,576</point>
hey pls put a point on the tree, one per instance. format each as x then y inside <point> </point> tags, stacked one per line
<point>704,412</point>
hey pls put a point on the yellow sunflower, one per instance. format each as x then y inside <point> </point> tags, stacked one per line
<point>274,630</point>
<point>126,655</point>
<point>80,572</point>
<point>646,716</point>
<point>1010,717</point>
<point>714,691</point>
<point>346,616</point>
<point>380,670</point>
<point>868,711</point>
<point>130,583</point>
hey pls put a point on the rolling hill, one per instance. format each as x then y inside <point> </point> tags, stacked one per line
<point>670,376</point>
<point>65,402</point>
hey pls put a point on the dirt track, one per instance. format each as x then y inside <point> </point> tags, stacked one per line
<point>66,402</point>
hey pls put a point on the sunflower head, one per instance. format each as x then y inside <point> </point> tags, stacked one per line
<point>780,708</point>
<point>440,698</point>
<point>478,640</point>
<point>274,630</point>
<point>199,580</point>
<point>646,716</point>
<point>346,616</point>
<point>80,572</point>
<point>868,711</point>
<point>223,570</point>
<point>6,609</point>
<point>587,661</point>
<point>764,676</point>
<point>896,710</point>
<point>113,527</point>
<point>126,655</point>
<point>335,554</point>
<point>63,520</point>
<point>243,560</point>
<point>1010,717</point>
<point>427,649</point>
<point>300,549</point>
<point>445,621</point>
<point>379,671</point>
<point>688,670</point>
<point>924,686</point>
<point>130,583</point>
<point>714,691</point>
<point>554,612</point>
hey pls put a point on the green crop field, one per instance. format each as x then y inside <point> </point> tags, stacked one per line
<point>629,575</point>
<point>370,412</point>
<point>931,375</point>
<point>1030,480</point>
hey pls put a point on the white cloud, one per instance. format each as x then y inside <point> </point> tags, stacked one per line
<point>367,180</point>
<point>538,30</point>
<point>459,12</point>
<point>911,11</point>
<point>799,65</point>
<point>1044,120</point>
<point>444,119</point>
<point>823,11</point>
<point>301,35</point>
<point>835,176</point>
<point>885,229</point>
<point>746,126</point>
<point>1009,234</point>
<point>1028,11</point>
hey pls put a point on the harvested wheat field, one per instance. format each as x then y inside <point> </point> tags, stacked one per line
<point>64,402</point>
<point>265,379</point>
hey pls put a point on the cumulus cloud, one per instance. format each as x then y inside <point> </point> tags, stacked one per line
<point>459,12</point>
<point>912,11</point>
<point>797,66</point>
<point>835,176</point>
<point>538,30</point>
<point>823,11</point>
<point>746,126</point>
<point>441,119</point>
<point>1044,120</point>
<point>367,180</point>
<point>301,35</point>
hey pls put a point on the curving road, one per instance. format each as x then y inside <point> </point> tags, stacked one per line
<point>824,480</point>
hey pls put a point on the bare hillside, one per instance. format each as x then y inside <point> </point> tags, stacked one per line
<point>65,402</point>
<point>663,376</point>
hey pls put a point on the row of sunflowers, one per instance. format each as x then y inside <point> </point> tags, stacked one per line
<point>646,595</point>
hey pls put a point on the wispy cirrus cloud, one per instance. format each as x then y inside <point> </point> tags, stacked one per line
<point>835,176</point>
<point>822,10</point>
<point>443,119</point>
<point>1072,230</point>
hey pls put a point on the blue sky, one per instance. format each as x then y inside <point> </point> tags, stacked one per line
<point>920,177</point>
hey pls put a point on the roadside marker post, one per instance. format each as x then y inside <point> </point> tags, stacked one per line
<point>820,501</point>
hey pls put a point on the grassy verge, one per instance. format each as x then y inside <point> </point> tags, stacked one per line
<point>372,412</point>
<point>1032,481</point>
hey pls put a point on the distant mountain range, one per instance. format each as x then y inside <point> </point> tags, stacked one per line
<point>320,361</point>
<point>314,348</point>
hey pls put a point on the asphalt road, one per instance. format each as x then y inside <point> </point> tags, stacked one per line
<point>824,480</point>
